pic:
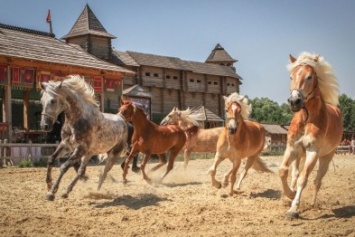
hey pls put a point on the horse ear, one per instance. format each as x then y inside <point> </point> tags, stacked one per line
<point>316,58</point>
<point>225,97</point>
<point>292,59</point>
<point>174,109</point>
<point>44,85</point>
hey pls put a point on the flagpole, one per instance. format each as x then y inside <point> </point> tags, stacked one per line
<point>49,20</point>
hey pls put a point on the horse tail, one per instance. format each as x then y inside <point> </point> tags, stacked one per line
<point>259,165</point>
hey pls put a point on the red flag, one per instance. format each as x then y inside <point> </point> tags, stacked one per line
<point>48,19</point>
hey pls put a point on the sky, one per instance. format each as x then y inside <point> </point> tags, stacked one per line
<point>260,34</point>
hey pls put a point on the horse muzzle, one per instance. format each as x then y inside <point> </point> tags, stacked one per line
<point>296,101</point>
<point>46,123</point>
<point>232,126</point>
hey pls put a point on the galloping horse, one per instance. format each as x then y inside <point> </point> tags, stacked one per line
<point>198,139</point>
<point>241,138</point>
<point>150,138</point>
<point>86,131</point>
<point>316,127</point>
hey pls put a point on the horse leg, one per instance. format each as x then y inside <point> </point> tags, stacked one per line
<point>226,178</point>
<point>250,161</point>
<point>162,161</point>
<point>236,165</point>
<point>81,171</point>
<point>126,163</point>
<point>311,160</point>
<point>60,151</point>
<point>63,169</point>
<point>76,167</point>
<point>108,166</point>
<point>322,170</point>
<point>187,154</point>
<point>212,171</point>
<point>289,156</point>
<point>173,155</point>
<point>295,173</point>
<point>144,162</point>
<point>135,167</point>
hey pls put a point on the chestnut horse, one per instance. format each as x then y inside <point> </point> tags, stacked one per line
<point>316,127</point>
<point>198,139</point>
<point>240,138</point>
<point>150,138</point>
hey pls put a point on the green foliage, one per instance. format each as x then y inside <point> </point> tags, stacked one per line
<point>41,162</point>
<point>347,105</point>
<point>25,163</point>
<point>265,110</point>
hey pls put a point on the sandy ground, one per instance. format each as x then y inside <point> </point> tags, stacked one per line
<point>185,204</point>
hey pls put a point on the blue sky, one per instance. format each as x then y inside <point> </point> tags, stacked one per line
<point>260,34</point>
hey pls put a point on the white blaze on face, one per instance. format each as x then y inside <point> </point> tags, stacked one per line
<point>232,122</point>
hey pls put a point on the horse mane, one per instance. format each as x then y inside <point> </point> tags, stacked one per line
<point>327,81</point>
<point>189,118</point>
<point>74,84</point>
<point>242,101</point>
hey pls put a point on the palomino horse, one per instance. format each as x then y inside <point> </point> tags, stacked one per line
<point>316,127</point>
<point>198,139</point>
<point>150,138</point>
<point>86,130</point>
<point>241,138</point>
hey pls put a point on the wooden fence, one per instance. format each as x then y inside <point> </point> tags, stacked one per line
<point>12,153</point>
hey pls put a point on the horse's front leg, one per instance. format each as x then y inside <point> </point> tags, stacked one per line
<point>84,161</point>
<point>61,150</point>
<point>187,154</point>
<point>144,162</point>
<point>134,151</point>
<point>289,156</point>
<point>236,164</point>
<point>218,158</point>
<point>63,169</point>
<point>250,161</point>
<point>311,160</point>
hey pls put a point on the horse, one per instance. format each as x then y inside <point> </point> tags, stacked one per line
<point>240,138</point>
<point>198,139</point>
<point>316,127</point>
<point>86,130</point>
<point>150,138</point>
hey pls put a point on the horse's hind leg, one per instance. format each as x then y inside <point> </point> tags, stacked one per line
<point>187,154</point>
<point>162,161</point>
<point>322,170</point>
<point>144,162</point>
<point>250,161</point>
<point>109,164</point>
<point>170,166</point>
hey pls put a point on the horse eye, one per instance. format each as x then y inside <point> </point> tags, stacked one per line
<point>53,101</point>
<point>309,78</point>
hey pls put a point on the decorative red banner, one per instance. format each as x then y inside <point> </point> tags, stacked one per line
<point>16,75</point>
<point>97,84</point>
<point>111,84</point>
<point>28,76</point>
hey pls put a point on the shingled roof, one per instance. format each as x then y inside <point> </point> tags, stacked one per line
<point>274,129</point>
<point>88,24</point>
<point>219,55</point>
<point>204,114</point>
<point>130,58</point>
<point>136,90</point>
<point>36,45</point>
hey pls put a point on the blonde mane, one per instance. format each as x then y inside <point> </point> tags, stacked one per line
<point>75,84</point>
<point>188,117</point>
<point>242,101</point>
<point>327,81</point>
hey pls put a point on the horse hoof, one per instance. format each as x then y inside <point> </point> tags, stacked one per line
<point>218,185</point>
<point>125,181</point>
<point>50,197</point>
<point>149,181</point>
<point>292,214</point>
<point>64,195</point>
<point>225,184</point>
<point>136,169</point>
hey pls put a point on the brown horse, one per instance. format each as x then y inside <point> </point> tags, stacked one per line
<point>198,139</point>
<point>316,127</point>
<point>241,138</point>
<point>150,138</point>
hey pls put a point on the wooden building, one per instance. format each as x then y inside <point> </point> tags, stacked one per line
<point>28,57</point>
<point>170,80</point>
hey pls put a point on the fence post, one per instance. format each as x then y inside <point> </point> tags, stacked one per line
<point>8,159</point>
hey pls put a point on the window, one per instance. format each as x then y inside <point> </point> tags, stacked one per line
<point>228,84</point>
<point>198,81</point>
<point>175,77</point>
<point>147,74</point>
<point>215,83</point>
<point>209,82</point>
<point>167,77</point>
<point>191,80</point>
<point>156,75</point>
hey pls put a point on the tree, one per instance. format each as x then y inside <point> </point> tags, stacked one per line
<point>265,110</point>
<point>347,105</point>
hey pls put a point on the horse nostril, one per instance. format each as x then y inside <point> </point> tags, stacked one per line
<point>298,102</point>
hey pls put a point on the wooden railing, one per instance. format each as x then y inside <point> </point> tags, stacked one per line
<point>13,153</point>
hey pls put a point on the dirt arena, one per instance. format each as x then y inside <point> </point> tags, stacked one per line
<point>185,204</point>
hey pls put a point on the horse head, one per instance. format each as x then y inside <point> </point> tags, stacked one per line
<point>127,110</point>
<point>174,117</point>
<point>304,82</point>
<point>52,104</point>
